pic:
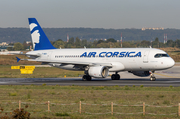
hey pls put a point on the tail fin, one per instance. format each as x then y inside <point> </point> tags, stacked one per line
<point>39,38</point>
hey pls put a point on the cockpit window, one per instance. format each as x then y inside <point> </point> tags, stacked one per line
<point>161,55</point>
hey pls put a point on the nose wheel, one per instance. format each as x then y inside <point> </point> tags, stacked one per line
<point>152,77</point>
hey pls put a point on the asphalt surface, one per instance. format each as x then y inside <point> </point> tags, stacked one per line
<point>164,78</point>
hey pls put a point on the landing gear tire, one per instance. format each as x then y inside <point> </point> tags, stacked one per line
<point>86,78</point>
<point>152,78</point>
<point>115,77</point>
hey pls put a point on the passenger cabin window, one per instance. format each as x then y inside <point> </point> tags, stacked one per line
<point>161,55</point>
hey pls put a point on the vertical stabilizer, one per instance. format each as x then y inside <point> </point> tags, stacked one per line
<point>39,38</point>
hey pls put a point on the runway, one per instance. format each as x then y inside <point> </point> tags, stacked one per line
<point>165,78</point>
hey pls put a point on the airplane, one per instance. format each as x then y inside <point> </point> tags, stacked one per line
<point>97,62</point>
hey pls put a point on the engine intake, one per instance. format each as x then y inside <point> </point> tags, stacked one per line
<point>98,71</point>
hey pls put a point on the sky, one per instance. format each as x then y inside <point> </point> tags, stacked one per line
<point>114,14</point>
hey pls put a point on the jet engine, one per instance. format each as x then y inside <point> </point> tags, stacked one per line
<point>98,71</point>
<point>141,73</point>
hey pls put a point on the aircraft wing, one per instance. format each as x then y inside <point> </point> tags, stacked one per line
<point>72,62</point>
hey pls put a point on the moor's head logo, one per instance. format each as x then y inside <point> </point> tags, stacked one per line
<point>34,34</point>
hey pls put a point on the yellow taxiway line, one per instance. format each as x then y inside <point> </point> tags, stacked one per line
<point>166,75</point>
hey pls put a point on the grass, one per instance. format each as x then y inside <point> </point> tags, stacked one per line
<point>122,95</point>
<point>13,94</point>
<point>39,72</point>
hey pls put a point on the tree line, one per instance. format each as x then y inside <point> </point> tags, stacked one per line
<point>109,43</point>
<point>21,34</point>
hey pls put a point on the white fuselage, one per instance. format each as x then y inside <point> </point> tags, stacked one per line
<point>121,59</point>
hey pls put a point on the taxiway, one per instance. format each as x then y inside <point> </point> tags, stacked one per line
<point>165,78</point>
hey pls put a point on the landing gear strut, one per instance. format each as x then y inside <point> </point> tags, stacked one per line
<point>115,76</point>
<point>152,77</point>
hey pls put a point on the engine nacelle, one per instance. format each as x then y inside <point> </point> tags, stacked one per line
<point>98,71</point>
<point>141,73</point>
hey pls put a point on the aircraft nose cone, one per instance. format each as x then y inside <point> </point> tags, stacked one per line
<point>171,63</point>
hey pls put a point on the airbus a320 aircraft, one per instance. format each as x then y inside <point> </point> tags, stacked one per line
<point>97,62</point>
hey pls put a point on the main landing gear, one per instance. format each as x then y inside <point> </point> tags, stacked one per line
<point>152,77</point>
<point>115,76</point>
<point>86,78</point>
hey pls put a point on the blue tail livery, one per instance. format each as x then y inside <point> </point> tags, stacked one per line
<point>39,39</point>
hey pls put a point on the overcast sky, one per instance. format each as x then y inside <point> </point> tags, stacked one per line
<point>116,14</point>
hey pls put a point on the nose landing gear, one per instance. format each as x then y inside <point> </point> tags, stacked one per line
<point>152,77</point>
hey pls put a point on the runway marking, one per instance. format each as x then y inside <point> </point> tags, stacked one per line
<point>166,75</point>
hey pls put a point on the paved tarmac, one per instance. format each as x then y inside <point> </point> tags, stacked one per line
<point>165,78</point>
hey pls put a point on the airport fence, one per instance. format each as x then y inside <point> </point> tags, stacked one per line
<point>83,108</point>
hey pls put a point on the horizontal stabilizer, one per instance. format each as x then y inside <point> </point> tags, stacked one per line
<point>18,59</point>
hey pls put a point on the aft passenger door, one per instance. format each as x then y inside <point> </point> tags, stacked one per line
<point>145,56</point>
